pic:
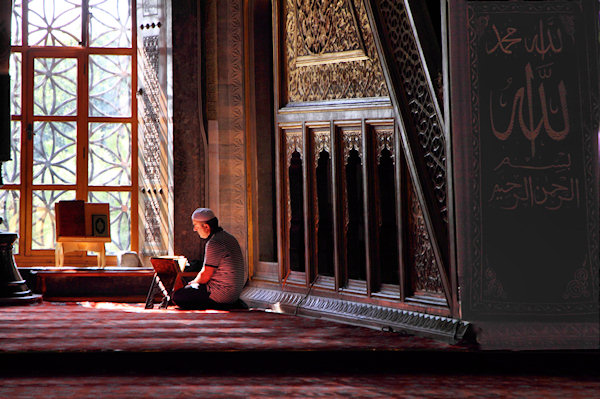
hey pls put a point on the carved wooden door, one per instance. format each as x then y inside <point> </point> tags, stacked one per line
<point>154,128</point>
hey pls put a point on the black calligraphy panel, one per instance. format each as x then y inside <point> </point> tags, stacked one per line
<point>534,185</point>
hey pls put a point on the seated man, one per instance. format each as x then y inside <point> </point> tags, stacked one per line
<point>220,281</point>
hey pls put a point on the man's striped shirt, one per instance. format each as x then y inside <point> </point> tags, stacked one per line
<point>223,252</point>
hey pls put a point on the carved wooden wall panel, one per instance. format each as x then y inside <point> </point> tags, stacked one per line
<point>423,133</point>
<point>385,244</point>
<point>293,186</point>
<point>352,204</point>
<point>425,277</point>
<point>350,215</point>
<point>329,52</point>
<point>418,99</point>
<point>322,202</point>
<point>210,54</point>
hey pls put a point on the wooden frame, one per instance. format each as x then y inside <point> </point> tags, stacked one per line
<point>26,255</point>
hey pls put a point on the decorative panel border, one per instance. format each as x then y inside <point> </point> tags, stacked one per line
<point>329,52</point>
<point>556,275</point>
<point>397,320</point>
<point>231,117</point>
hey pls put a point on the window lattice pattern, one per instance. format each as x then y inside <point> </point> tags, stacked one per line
<point>110,85</point>
<point>9,212</point>
<point>15,83</point>
<point>54,152</point>
<point>43,217</point>
<point>11,170</point>
<point>54,22</point>
<point>55,86</point>
<point>110,23</point>
<point>16,23</point>
<point>120,218</point>
<point>110,154</point>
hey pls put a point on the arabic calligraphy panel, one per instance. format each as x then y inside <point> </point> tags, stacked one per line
<point>533,192</point>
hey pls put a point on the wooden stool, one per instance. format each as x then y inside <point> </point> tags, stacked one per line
<point>71,244</point>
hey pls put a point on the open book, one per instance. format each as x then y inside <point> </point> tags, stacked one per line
<point>168,277</point>
<point>168,265</point>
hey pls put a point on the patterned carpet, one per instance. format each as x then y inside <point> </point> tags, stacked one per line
<point>101,326</point>
<point>110,350</point>
<point>284,386</point>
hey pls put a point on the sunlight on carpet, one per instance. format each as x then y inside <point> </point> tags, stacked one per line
<point>139,308</point>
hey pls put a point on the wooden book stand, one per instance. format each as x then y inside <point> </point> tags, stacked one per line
<point>168,277</point>
<point>81,226</point>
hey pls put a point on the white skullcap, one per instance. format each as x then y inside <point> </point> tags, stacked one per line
<point>203,215</point>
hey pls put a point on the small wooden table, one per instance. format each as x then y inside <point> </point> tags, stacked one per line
<point>71,244</point>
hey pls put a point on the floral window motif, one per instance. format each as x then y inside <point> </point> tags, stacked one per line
<point>16,38</point>
<point>43,232</point>
<point>71,90</point>
<point>11,170</point>
<point>9,212</point>
<point>110,23</point>
<point>55,86</point>
<point>15,83</point>
<point>110,85</point>
<point>54,153</point>
<point>54,22</point>
<point>110,154</point>
<point>120,218</point>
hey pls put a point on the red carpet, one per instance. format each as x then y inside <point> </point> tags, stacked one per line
<point>104,350</point>
<point>282,386</point>
<point>126,327</point>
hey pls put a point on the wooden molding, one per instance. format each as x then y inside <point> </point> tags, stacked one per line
<point>331,58</point>
<point>369,315</point>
